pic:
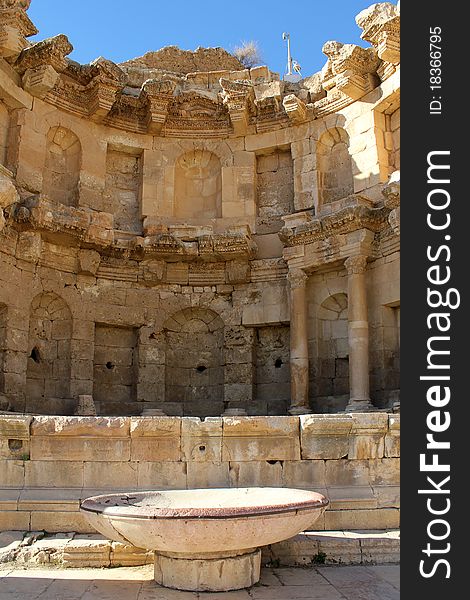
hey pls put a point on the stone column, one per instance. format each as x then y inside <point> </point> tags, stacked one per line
<point>358,333</point>
<point>298,343</point>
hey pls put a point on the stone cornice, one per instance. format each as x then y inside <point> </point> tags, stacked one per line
<point>95,229</point>
<point>346,220</point>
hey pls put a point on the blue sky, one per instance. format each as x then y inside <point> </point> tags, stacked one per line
<point>118,31</point>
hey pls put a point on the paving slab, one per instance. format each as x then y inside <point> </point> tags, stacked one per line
<point>136,583</point>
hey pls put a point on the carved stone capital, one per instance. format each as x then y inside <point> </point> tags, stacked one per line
<point>297,278</point>
<point>157,95</point>
<point>108,81</point>
<point>295,108</point>
<point>238,97</point>
<point>356,264</point>
<point>40,80</point>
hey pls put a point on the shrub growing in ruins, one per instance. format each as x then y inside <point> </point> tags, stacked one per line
<point>249,54</point>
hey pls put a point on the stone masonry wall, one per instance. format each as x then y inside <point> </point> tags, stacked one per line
<point>275,189</point>
<point>49,463</point>
<point>123,188</point>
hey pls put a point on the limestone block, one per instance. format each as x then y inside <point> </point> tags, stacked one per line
<point>351,498</point>
<point>29,246</point>
<point>201,441</point>
<point>256,473</point>
<point>12,473</point>
<point>80,448</point>
<point>382,518</point>
<point>207,474</point>
<point>53,499</point>
<point>367,439</point>
<point>89,261</point>
<point>308,474</point>
<point>14,436</point>
<point>123,555</point>
<point>346,473</point>
<point>114,475</point>
<point>388,496</point>
<point>260,438</point>
<point>385,471</point>
<point>9,500</point>
<point>40,80</point>
<point>80,438</point>
<point>216,575</point>
<point>87,551</point>
<point>161,475</point>
<point>55,522</point>
<point>13,520</point>
<point>325,436</point>
<point>85,406</point>
<point>57,474</point>
<point>392,438</point>
<point>155,438</point>
<point>338,548</point>
<point>8,193</point>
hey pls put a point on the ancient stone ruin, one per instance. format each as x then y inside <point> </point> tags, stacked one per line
<point>183,234</point>
<point>186,238</point>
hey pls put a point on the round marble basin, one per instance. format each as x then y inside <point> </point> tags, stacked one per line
<point>205,539</point>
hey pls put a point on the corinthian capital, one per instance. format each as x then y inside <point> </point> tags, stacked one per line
<point>297,278</point>
<point>356,264</point>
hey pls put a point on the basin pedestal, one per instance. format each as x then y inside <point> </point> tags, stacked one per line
<point>205,540</point>
<point>216,572</point>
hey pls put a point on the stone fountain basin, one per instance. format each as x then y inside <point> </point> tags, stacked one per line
<point>204,521</point>
<point>205,539</point>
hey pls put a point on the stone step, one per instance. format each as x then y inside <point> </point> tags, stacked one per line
<point>92,550</point>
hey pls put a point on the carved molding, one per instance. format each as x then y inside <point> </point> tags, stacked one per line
<point>346,220</point>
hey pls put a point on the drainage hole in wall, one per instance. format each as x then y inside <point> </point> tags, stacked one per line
<point>278,363</point>
<point>202,448</point>
<point>110,365</point>
<point>35,355</point>
<point>201,369</point>
<point>15,445</point>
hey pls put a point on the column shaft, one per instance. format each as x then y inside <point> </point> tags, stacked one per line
<point>298,343</point>
<point>358,335</point>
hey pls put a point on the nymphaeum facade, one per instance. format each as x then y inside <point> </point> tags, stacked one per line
<point>181,233</point>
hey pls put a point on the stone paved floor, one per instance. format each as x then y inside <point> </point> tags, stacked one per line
<point>135,583</point>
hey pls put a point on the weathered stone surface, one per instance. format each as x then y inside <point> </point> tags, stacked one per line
<point>325,436</point>
<point>368,435</point>
<point>155,439</point>
<point>260,438</point>
<point>202,441</point>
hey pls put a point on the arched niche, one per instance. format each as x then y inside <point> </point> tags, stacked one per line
<point>49,349</point>
<point>334,166</point>
<point>194,364</point>
<point>333,348</point>
<point>62,167</point>
<point>198,185</point>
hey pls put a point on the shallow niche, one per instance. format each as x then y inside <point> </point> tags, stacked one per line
<point>49,346</point>
<point>61,177</point>
<point>198,185</point>
<point>335,177</point>
<point>194,367</point>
